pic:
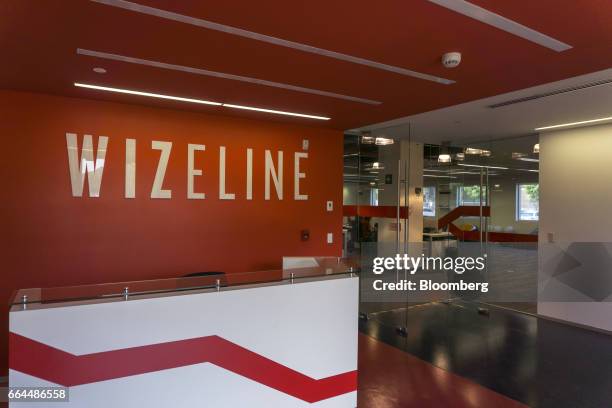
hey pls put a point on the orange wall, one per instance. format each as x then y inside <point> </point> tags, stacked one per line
<point>50,238</point>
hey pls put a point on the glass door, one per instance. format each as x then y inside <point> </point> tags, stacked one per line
<point>382,187</point>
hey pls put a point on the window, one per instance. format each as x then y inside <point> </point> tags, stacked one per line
<point>374,196</point>
<point>470,195</point>
<point>429,201</point>
<point>528,202</point>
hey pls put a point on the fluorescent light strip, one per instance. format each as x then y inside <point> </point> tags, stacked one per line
<point>505,24</point>
<point>574,123</point>
<point>149,94</point>
<point>168,15</point>
<point>453,171</point>
<point>199,71</point>
<point>433,175</point>
<point>528,159</point>
<point>301,115</point>
<point>484,167</point>
<point>200,101</point>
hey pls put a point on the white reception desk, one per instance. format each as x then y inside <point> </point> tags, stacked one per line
<point>282,343</point>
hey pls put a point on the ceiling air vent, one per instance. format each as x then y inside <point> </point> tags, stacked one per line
<point>551,93</point>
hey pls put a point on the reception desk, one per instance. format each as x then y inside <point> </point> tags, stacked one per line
<point>245,340</point>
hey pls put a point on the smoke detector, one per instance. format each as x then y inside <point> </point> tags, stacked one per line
<point>451,59</point>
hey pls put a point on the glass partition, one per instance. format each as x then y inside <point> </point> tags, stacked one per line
<point>478,199</point>
<point>511,238</point>
<point>379,196</point>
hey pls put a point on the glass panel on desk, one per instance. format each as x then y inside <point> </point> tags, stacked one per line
<point>325,267</point>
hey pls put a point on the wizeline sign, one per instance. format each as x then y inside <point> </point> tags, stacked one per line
<point>91,166</point>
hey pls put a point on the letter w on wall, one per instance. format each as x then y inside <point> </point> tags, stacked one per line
<point>88,164</point>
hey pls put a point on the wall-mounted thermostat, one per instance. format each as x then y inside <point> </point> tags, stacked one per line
<point>305,144</point>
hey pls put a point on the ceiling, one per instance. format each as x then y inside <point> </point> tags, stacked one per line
<point>476,121</point>
<point>357,62</point>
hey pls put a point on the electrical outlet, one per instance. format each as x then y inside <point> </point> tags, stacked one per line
<point>330,206</point>
<point>330,238</point>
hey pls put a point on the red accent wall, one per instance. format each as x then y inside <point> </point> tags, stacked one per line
<point>50,238</point>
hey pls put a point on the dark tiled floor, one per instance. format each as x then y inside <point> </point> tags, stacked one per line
<point>391,378</point>
<point>541,363</point>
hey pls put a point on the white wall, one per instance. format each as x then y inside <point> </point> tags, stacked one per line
<point>576,206</point>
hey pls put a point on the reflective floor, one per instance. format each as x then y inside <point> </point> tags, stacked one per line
<point>535,361</point>
<point>391,378</point>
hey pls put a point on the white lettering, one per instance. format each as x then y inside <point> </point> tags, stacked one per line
<point>298,176</point>
<point>222,194</point>
<point>130,168</point>
<point>249,176</point>
<point>276,176</point>
<point>158,183</point>
<point>192,172</point>
<point>93,167</point>
<point>85,162</point>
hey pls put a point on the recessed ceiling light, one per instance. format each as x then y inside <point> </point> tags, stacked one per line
<point>365,139</point>
<point>99,70</point>
<point>444,158</point>
<point>480,152</point>
<point>200,101</point>
<point>384,141</point>
<point>574,123</point>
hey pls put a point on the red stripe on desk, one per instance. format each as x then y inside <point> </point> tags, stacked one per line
<point>51,364</point>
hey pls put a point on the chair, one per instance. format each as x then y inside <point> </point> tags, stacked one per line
<point>219,275</point>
